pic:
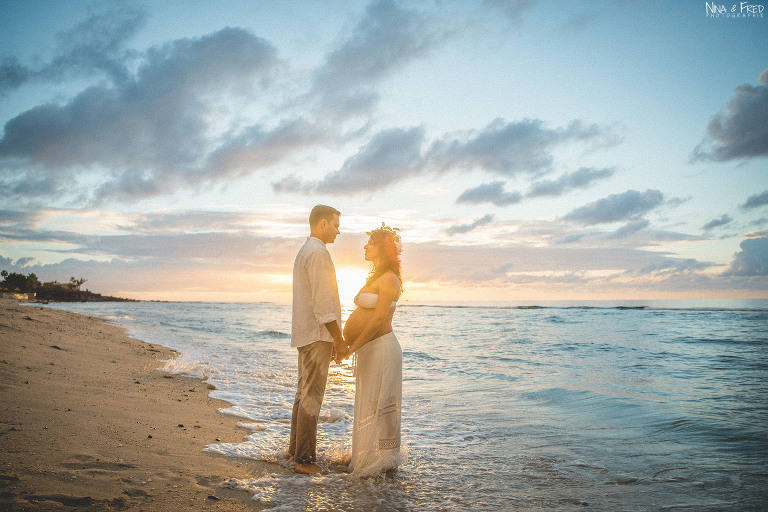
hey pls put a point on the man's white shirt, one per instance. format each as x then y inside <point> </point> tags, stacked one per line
<point>315,294</point>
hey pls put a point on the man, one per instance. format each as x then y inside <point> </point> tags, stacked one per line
<point>315,332</point>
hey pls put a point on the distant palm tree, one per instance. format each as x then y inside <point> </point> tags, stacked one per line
<point>76,283</point>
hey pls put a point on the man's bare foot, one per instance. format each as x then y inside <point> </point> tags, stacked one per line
<point>307,469</point>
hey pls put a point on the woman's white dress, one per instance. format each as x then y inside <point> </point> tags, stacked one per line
<point>378,399</point>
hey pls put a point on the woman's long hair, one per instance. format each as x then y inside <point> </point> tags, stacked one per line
<point>384,238</point>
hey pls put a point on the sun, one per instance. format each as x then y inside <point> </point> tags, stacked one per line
<point>350,280</point>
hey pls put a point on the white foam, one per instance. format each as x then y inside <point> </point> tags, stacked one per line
<point>252,426</point>
<point>182,366</point>
<point>334,416</point>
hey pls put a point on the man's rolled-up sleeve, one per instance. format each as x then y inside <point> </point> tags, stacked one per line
<point>325,292</point>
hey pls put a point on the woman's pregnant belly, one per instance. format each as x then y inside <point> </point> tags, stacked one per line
<point>356,323</point>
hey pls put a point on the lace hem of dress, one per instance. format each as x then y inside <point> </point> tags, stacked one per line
<point>389,444</point>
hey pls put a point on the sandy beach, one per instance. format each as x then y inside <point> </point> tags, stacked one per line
<point>90,423</point>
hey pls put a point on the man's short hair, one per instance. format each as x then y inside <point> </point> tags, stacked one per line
<point>321,212</point>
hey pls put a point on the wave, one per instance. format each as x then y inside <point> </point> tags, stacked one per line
<point>269,333</point>
<point>593,308</point>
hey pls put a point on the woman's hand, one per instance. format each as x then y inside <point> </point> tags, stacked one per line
<point>340,353</point>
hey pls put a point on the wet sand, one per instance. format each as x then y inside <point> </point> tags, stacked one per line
<point>88,422</point>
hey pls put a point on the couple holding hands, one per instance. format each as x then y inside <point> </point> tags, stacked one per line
<point>317,334</point>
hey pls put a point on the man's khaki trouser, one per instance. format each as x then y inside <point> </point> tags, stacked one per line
<point>314,360</point>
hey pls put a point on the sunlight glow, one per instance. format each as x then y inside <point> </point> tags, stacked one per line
<point>350,280</point>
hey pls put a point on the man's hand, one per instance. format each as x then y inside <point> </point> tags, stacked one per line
<point>339,352</point>
<point>339,347</point>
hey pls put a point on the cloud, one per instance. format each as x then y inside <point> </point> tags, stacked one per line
<point>466,228</point>
<point>617,207</point>
<point>190,221</point>
<point>490,193</point>
<point>95,46</point>
<point>675,265</point>
<point>630,229</point>
<point>25,262</point>
<point>390,156</point>
<point>502,148</point>
<point>259,148</point>
<point>580,179</point>
<point>239,247</point>
<point>510,148</point>
<point>155,236</point>
<point>494,192</point>
<point>12,74</point>
<point>752,259</point>
<point>756,201</point>
<point>16,217</point>
<point>472,265</point>
<point>678,201</point>
<point>386,39</point>
<point>152,132</point>
<point>742,131</point>
<point>716,223</point>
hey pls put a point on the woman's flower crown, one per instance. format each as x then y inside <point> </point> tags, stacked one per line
<point>392,231</point>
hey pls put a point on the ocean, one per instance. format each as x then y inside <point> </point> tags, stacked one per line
<point>656,405</point>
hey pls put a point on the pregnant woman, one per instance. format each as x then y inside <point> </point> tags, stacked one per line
<point>379,366</point>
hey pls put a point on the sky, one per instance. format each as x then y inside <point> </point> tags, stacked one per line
<point>528,150</point>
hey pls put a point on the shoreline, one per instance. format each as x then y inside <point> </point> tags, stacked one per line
<point>89,422</point>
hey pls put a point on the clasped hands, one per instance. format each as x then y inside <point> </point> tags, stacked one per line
<point>340,351</point>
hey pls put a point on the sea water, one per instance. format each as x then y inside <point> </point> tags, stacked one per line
<point>588,406</point>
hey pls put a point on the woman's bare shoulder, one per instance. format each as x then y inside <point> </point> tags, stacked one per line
<point>387,278</point>
<point>388,282</point>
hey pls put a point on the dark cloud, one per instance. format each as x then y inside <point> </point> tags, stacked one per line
<point>756,201</point>
<point>390,156</point>
<point>490,193</point>
<point>259,148</point>
<point>500,148</point>
<point>752,259</point>
<point>742,131</point>
<point>511,148</point>
<point>629,205</point>
<point>716,223</point>
<point>151,125</point>
<point>630,228</point>
<point>12,74</point>
<point>149,132</point>
<point>152,132</point>
<point>386,39</point>
<point>466,228</point>
<point>25,262</point>
<point>16,217</point>
<point>494,192</point>
<point>678,201</point>
<point>580,179</point>
<point>95,46</point>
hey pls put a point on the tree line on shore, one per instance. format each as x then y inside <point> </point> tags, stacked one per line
<point>52,291</point>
